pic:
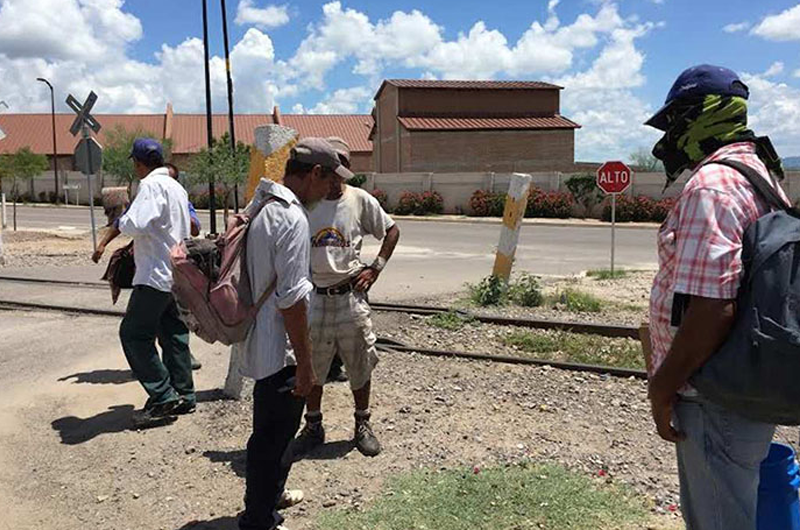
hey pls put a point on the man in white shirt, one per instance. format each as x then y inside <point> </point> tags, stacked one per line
<point>340,315</point>
<point>277,350</point>
<point>157,219</point>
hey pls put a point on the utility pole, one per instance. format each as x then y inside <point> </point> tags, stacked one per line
<point>209,130</point>
<point>55,149</point>
<point>230,98</point>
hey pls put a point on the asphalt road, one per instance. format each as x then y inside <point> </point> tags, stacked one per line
<point>438,257</point>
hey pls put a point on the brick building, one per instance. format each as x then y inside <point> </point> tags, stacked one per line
<point>187,132</point>
<point>470,126</point>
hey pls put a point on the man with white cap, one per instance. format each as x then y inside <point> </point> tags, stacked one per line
<point>340,314</point>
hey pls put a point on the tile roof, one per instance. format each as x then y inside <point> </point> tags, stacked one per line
<point>472,124</point>
<point>188,130</point>
<point>467,85</point>
<point>353,128</point>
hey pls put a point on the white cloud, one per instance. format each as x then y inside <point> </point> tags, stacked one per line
<point>796,73</point>
<point>775,68</point>
<point>774,110</point>
<point>268,17</point>
<point>352,100</point>
<point>782,27</point>
<point>735,28</point>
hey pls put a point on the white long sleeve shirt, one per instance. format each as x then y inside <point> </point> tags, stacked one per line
<point>278,246</point>
<point>157,219</point>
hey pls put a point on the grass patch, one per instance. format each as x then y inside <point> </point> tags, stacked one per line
<point>575,347</point>
<point>451,320</point>
<point>577,301</point>
<point>605,274</point>
<point>526,291</point>
<point>520,497</point>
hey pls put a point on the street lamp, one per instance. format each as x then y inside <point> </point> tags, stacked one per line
<point>55,149</point>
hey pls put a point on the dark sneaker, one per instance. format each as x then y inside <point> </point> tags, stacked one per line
<point>366,441</point>
<point>185,406</point>
<point>312,436</point>
<point>196,365</point>
<point>155,415</point>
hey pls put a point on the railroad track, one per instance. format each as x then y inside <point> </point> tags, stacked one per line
<point>389,344</point>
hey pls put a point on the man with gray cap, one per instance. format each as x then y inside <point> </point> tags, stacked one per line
<point>340,314</point>
<point>157,219</point>
<point>277,350</point>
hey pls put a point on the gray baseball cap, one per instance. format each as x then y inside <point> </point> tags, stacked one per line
<point>315,151</point>
<point>340,146</point>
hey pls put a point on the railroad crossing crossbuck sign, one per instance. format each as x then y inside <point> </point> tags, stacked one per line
<point>88,154</point>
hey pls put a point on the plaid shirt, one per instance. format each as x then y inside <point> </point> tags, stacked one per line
<point>700,243</point>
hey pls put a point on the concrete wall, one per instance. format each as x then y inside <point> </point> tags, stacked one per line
<point>440,102</point>
<point>498,151</point>
<point>384,144</point>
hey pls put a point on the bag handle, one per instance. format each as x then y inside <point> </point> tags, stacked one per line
<point>758,182</point>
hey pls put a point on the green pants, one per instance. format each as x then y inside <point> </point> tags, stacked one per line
<point>151,315</point>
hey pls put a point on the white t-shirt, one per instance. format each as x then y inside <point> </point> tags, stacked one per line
<point>337,231</point>
<point>157,219</point>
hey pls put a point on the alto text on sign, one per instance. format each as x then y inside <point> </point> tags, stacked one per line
<point>614,177</point>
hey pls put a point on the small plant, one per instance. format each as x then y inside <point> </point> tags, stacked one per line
<point>431,202</point>
<point>357,181</point>
<point>489,291</point>
<point>383,198</point>
<point>585,191</point>
<point>575,347</point>
<point>451,320</point>
<point>579,302</point>
<point>526,291</point>
<point>485,203</point>
<point>605,274</point>
<point>408,204</point>
<point>553,205</point>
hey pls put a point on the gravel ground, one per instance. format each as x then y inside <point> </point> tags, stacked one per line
<point>26,248</point>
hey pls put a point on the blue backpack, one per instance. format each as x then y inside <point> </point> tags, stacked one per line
<point>756,372</point>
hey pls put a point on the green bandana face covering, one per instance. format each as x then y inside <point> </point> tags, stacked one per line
<point>700,126</point>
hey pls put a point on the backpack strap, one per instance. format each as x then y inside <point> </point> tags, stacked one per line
<point>763,189</point>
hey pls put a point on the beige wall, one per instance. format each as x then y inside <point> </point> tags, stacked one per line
<point>424,101</point>
<point>361,162</point>
<point>384,143</point>
<point>499,151</point>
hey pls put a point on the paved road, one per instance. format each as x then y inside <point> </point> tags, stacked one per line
<point>438,257</point>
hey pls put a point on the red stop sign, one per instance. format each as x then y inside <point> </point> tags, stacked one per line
<point>614,177</point>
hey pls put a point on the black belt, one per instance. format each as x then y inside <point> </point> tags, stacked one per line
<point>342,288</point>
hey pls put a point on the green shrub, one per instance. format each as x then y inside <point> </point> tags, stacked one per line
<point>383,199</point>
<point>408,204</point>
<point>357,181</point>
<point>584,189</point>
<point>579,302</point>
<point>489,291</point>
<point>487,203</point>
<point>640,209</point>
<point>431,202</point>
<point>553,205</point>
<point>526,291</point>
<point>605,274</point>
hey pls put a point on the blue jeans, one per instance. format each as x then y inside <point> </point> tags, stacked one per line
<point>718,465</point>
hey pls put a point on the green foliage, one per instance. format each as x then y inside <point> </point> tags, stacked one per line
<point>645,162</point>
<point>411,203</point>
<point>579,348</point>
<point>487,203</point>
<point>519,497</point>
<point>450,320</point>
<point>489,291</point>
<point>357,181</point>
<point>117,149</point>
<point>578,301</point>
<point>584,189</point>
<point>605,274</point>
<point>383,198</point>
<point>639,209</point>
<point>526,291</point>
<point>227,167</point>
<point>550,205</point>
<point>25,164</point>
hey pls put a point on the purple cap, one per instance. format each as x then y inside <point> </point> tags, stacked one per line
<point>147,150</point>
<point>700,80</point>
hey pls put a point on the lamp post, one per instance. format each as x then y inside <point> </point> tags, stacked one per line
<point>230,98</point>
<point>209,132</point>
<point>55,149</point>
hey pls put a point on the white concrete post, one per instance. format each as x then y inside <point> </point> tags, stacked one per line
<point>516,201</point>
<point>3,210</point>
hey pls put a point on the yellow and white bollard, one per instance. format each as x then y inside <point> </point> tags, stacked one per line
<point>516,202</point>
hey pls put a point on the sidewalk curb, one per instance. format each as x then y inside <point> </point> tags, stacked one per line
<point>559,223</point>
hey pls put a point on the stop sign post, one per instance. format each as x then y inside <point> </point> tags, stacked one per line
<point>613,178</point>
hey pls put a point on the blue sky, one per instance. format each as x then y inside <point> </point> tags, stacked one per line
<point>616,59</point>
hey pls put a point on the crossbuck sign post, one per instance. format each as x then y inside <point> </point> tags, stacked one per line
<point>614,178</point>
<point>88,152</point>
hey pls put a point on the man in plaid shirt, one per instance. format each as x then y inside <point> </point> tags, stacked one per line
<point>692,307</point>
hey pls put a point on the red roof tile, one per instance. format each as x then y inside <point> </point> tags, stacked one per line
<point>467,85</point>
<point>353,128</point>
<point>473,124</point>
<point>188,130</point>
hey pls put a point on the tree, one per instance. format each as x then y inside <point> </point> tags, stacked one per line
<point>227,167</point>
<point>24,164</point>
<point>117,149</point>
<point>645,161</point>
